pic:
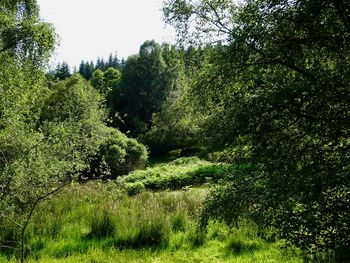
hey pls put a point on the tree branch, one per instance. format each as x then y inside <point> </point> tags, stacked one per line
<point>11,220</point>
<point>218,19</point>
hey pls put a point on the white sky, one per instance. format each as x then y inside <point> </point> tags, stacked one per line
<point>89,28</point>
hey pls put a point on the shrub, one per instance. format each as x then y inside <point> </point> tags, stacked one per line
<point>117,155</point>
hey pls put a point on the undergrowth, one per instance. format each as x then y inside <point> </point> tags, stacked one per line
<point>98,222</point>
<point>182,172</point>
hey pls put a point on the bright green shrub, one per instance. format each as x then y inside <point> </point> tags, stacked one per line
<point>177,174</point>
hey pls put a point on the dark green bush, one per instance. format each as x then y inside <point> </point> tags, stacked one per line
<point>118,155</point>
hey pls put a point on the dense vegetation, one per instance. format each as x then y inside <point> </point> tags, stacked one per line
<point>257,90</point>
<point>278,86</point>
<point>100,223</point>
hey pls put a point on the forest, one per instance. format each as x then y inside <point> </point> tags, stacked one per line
<point>230,146</point>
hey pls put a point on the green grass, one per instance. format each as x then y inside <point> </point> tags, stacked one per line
<point>99,222</point>
<point>179,173</point>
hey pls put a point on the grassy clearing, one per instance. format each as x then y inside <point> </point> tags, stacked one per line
<point>179,173</point>
<point>98,222</point>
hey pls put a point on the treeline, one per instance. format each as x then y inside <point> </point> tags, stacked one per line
<point>64,71</point>
<point>147,94</point>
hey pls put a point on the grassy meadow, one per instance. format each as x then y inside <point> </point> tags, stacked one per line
<point>112,222</point>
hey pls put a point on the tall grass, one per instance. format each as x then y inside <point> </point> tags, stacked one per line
<point>98,222</point>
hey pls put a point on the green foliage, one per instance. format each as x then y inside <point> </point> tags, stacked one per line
<point>22,33</point>
<point>74,100</point>
<point>276,85</point>
<point>148,98</point>
<point>25,44</point>
<point>117,155</point>
<point>97,80</point>
<point>134,188</point>
<point>86,69</point>
<point>174,126</point>
<point>147,80</point>
<point>106,82</point>
<point>61,72</point>
<point>175,175</point>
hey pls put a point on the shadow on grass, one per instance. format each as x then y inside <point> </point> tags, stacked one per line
<point>239,247</point>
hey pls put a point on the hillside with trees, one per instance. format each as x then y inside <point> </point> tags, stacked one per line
<point>230,146</point>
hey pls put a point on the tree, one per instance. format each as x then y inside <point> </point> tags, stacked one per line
<point>112,77</point>
<point>44,155</point>
<point>61,72</point>
<point>25,45</point>
<point>174,126</point>
<point>277,85</point>
<point>108,85</point>
<point>22,33</point>
<point>145,84</point>
<point>97,80</point>
<point>100,64</point>
<point>113,61</point>
<point>86,69</point>
<point>82,69</point>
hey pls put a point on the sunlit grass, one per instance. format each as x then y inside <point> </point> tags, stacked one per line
<point>98,222</point>
<point>179,173</point>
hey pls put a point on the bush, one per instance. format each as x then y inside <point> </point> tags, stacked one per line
<point>118,155</point>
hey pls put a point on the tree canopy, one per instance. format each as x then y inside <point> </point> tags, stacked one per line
<point>276,87</point>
